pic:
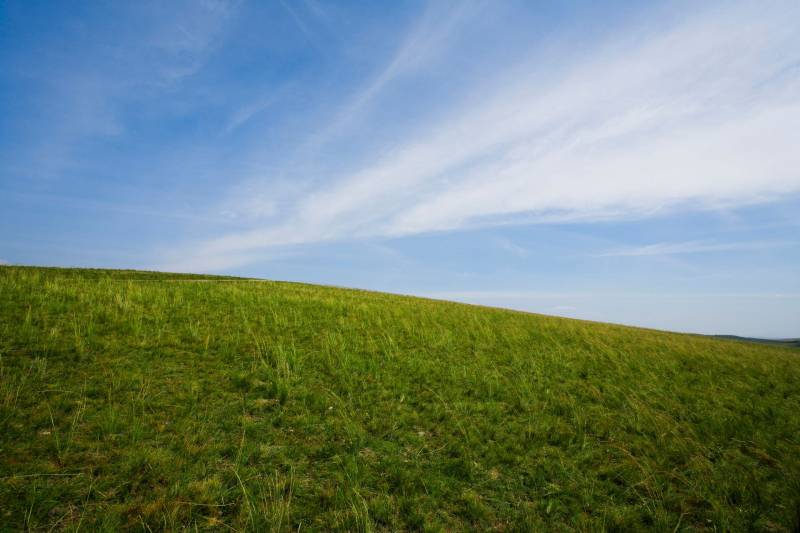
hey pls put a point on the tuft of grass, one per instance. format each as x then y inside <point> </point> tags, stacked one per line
<point>147,401</point>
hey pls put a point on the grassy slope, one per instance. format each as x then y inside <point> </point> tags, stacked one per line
<point>132,399</point>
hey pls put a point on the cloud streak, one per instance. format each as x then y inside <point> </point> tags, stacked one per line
<point>702,114</point>
<point>87,89</point>
<point>693,247</point>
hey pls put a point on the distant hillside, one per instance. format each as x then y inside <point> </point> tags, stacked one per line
<point>789,343</point>
<point>149,401</point>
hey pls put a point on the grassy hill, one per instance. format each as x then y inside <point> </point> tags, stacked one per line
<point>157,401</point>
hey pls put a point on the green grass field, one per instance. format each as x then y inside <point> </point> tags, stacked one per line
<point>157,401</point>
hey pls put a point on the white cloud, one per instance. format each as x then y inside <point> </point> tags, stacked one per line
<point>245,113</point>
<point>86,88</point>
<point>702,114</point>
<point>511,247</point>
<point>425,44</point>
<point>503,295</point>
<point>522,295</point>
<point>693,247</point>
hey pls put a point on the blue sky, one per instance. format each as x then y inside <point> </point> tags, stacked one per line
<point>633,162</point>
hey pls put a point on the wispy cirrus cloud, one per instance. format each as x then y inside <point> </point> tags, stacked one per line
<point>509,246</point>
<point>86,90</point>
<point>694,247</point>
<point>426,43</point>
<point>699,114</point>
<point>245,113</point>
<point>493,295</point>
